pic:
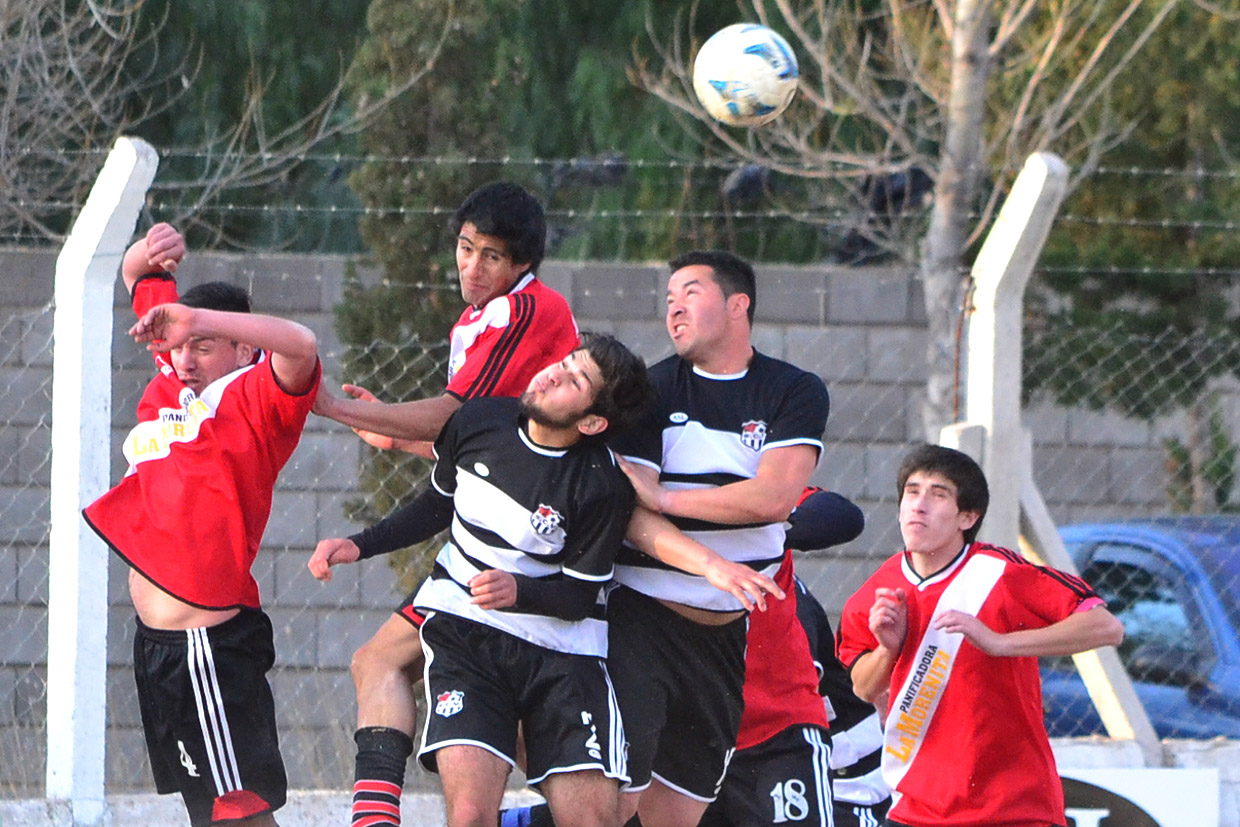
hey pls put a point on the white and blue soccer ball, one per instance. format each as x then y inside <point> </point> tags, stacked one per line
<point>745,75</point>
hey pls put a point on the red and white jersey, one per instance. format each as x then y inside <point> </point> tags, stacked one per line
<point>496,349</point>
<point>965,737</point>
<point>194,502</point>
<point>781,682</point>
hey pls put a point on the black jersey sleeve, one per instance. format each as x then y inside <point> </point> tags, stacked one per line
<point>600,520</point>
<point>428,514</point>
<point>558,596</point>
<point>802,415</point>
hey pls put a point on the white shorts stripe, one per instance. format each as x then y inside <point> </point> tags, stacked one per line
<point>206,718</point>
<point>229,756</point>
<point>618,762</point>
<point>211,713</point>
<point>821,747</point>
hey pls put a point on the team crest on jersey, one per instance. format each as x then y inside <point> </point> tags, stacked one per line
<point>449,703</point>
<point>545,519</point>
<point>753,434</point>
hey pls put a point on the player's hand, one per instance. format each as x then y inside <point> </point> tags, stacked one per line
<point>164,327</point>
<point>650,494</point>
<point>746,585</point>
<point>332,552</point>
<point>165,247</point>
<point>974,631</point>
<point>493,589</point>
<point>889,618</point>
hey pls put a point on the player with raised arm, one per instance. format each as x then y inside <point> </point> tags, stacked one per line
<point>215,426</point>
<point>951,629</point>
<point>725,455</point>
<point>512,327</point>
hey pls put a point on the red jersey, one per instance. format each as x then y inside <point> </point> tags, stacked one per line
<point>781,683</point>
<point>965,742</point>
<point>497,349</point>
<point>192,507</point>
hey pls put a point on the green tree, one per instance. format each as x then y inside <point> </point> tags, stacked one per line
<point>962,90</point>
<point>1149,270</point>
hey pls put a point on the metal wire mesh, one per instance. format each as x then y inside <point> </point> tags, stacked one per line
<point>1125,426</point>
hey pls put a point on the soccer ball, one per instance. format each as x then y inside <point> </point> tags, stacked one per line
<point>745,75</point>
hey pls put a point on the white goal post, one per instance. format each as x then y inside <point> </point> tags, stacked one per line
<point>81,445</point>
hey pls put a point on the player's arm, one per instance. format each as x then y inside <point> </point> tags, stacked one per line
<point>160,250</point>
<point>418,421</point>
<point>888,622</point>
<point>1078,632</point>
<point>428,514</point>
<point>293,347</point>
<point>653,534</point>
<point>559,596</point>
<point>768,497</point>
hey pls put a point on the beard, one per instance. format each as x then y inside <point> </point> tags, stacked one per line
<point>535,413</point>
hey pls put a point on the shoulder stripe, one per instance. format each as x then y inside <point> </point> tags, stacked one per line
<point>488,378</point>
<point>1068,581</point>
<point>715,478</point>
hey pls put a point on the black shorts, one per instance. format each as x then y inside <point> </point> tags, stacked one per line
<point>406,610</point>
<point>783,780</point>
<point>209,718</point>
<point>480,682</point>
<point>679,685</point>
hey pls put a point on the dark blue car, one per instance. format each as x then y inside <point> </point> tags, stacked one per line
<point>1175,584</point>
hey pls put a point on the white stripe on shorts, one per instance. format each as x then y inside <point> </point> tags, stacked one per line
<point>821,759</point>
<point>212,719</point>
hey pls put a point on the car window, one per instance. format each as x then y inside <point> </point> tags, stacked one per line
<point>1163,642</point>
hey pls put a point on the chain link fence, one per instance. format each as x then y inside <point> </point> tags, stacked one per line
<point>25,473</point>
<point>1104,452</point>
<point>1137,442</point>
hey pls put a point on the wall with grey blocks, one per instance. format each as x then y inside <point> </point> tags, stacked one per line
<point>862,330</point>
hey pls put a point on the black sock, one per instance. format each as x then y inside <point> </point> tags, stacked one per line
<point>379,774</point>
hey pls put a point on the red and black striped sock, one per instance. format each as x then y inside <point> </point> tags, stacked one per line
<point>379,776</point>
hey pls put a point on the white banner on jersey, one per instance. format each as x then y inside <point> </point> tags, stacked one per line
<point>914,706</point>
<point>154,438</point>
<point>216,737</point>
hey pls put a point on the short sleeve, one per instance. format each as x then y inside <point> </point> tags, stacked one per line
<point>1040,596</point>
<point>802,417</point>
<point>599,526</point>
<point>277,409</point>
<point>152,290</point>
<point>854,637</point>
<point>643,441</point>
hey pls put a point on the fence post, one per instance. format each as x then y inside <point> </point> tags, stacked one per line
<point>993,413</point>
<point>81,443</point>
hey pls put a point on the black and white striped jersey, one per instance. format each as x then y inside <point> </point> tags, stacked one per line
<point>529,510</point>
<point>708,431</point>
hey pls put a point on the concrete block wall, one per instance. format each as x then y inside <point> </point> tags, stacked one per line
<point>862,330</point>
